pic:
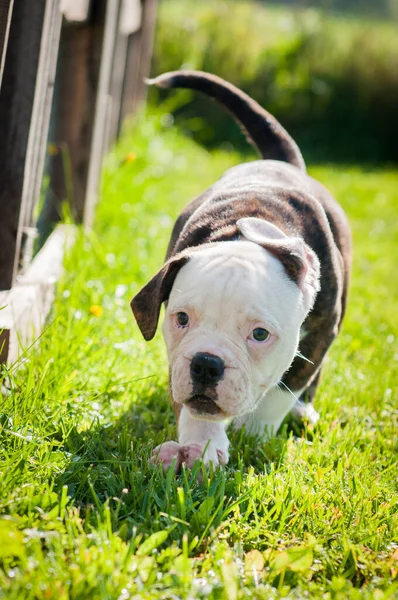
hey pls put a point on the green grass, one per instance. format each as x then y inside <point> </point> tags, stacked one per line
<point>84,515</point>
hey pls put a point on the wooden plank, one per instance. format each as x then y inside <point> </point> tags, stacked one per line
<point>139,61</point>
<point>16,104</point>
<point>130,16</point>
<point>26,306</point>
<point>38,133</point>
<point>130,76</point>
<point>117,78</point>
<point>75,11</point>
<point>102,111</point>
<point>130,22</point>
<point>6,7</point>
<point>72,123</point>
<point>92,63</point>
<point>146,47</point>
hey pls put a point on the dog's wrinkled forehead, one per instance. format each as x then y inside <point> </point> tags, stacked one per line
<point>264,263</point>
<point>232,276</point>
<point>225,263</point>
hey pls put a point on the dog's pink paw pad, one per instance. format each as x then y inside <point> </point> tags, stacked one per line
<point>188,454</point>
<point>166,453</point>
<point>222,457</point>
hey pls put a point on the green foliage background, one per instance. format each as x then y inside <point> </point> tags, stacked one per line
<point>331,80</point>
<point>380,8</point>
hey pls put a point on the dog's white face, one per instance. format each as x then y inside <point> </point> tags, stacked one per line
<point>232,328</point>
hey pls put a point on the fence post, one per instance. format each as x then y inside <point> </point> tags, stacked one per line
<point>37,144</point>
<point>84,113</point>
<point>81,112</point>
<point>17,95</point>
<point>5,22</point>
<point>138,61</point>
<point>102,110</point>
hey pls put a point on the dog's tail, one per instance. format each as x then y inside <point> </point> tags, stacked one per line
<point>262,129</point>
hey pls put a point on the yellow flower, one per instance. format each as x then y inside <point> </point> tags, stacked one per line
<point>52,149</point>
<point>130,157</point>
<point>96,310</point>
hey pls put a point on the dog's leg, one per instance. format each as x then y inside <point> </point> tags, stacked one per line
<point>304,374</point>
<point>270,412</point>
<point>304,409</point>
<point>197,439</point>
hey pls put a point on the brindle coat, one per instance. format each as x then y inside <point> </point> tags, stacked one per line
<point>277,190</point>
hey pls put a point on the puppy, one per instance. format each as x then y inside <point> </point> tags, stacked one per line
<point>255,286</point>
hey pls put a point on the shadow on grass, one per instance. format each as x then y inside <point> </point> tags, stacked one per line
<point>103,456</point>
<point>110,467</point>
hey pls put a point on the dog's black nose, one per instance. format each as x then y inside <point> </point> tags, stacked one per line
<point>206,368</point>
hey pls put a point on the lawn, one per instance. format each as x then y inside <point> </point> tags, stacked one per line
<point>82,512</point>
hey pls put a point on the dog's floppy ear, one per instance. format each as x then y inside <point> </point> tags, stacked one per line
<point>146,304</point>
<point>300,263</point>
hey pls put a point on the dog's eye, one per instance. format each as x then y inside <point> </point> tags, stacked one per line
<point>260,335</point>
<point>182,319</point>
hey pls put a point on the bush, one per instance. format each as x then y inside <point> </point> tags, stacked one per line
<point>333,83</point>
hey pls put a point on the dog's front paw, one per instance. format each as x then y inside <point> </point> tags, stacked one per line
<point>303,411</point>
<point>187,454</point>
<point>165,454</point>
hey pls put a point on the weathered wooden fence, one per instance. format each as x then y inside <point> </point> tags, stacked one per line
<point>70,72</point>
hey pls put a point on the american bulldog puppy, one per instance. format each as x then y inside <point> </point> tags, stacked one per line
<point>255,286</point>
